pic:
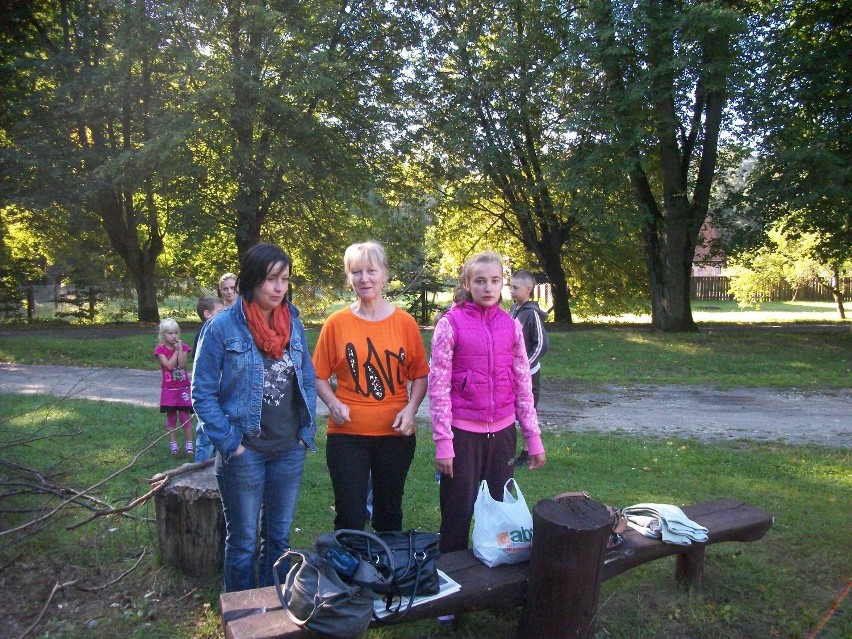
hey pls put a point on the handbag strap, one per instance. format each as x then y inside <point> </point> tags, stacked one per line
<point>375,539</point>
<point>282,591</point>
<point>397,616</point>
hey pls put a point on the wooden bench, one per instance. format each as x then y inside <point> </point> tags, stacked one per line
<point>257,614</point>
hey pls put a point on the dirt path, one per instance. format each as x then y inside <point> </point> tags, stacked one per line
<point>759,414</point>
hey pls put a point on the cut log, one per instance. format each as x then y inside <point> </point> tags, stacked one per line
<point>565,568</point>
<point>190,523</point>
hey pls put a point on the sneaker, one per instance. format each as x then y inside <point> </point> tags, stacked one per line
<point>189,450</point>
<point>174,448</point>
<point>521,460</point>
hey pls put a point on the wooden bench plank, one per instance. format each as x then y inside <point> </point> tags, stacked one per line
<point>257,614</point>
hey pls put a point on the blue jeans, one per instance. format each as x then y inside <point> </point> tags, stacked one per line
<point>203,447</point>
<point>257,487</point>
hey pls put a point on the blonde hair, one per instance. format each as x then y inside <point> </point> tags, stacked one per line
<point>525,276</point>
<point>227,276</point>
<point>168,324</point>
<point>365,252</point>
<point>485,257</point>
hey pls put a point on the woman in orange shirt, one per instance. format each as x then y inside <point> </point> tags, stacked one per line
<point>374,349</point>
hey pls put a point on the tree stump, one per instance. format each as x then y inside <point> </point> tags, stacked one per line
<point>569,543</point>
<point>190,523</point>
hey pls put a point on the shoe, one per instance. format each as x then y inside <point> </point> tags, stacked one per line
<point>189,450</point>
<point>174,448</point>
<point>522,460</point>
<point>447,622</point>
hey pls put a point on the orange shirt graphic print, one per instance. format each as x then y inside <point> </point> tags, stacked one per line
<point>380,377</point>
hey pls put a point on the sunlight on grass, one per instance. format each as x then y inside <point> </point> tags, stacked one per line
<point>725,311</point>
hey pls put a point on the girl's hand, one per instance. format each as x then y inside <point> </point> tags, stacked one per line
<point>445,466</point>
<point>536,461</point>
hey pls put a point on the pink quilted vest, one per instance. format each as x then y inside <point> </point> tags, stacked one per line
<point>482,383</point>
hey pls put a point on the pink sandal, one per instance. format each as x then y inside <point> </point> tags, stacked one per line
<point>174,448</point>
<point>188,448</point>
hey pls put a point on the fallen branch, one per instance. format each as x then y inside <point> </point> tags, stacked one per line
<point>161,480</point>
<point>117,579</point>
<point>180,470</point>
<point>82,493</point>
<point>56,586</point>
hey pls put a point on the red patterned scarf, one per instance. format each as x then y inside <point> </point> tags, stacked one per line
<point>272,336</point>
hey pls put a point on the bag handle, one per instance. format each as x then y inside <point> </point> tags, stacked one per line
<point>396,615</point>
<point>520,498</point>
<point>282,591</point>
<point>374,539</point>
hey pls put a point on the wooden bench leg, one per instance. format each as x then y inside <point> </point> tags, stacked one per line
<point>565,569</point>
<point>690,567</point>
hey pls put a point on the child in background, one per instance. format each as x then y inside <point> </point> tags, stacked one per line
<point>532,319</point>
<point>228,289</point>
<point>478,385</point>
<point>207,308</point>
<point>175,399</point>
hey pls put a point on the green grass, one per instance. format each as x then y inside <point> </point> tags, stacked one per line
<point>719,358</point>
<point>780,586</point>
<point>729,311</point>
<point>723,358</point>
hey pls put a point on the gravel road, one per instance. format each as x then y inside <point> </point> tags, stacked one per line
<point>758,414</point>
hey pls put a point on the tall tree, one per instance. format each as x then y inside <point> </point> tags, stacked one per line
<point>801,113</point>
<point>88,120</point>
<point>667,70</point>
<point>495,121</point>
<point>293,103</point>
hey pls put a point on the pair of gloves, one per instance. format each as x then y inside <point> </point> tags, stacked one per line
<point>666,522</point>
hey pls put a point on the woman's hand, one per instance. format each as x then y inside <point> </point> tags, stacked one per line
<point>403,423</point>
<point>445,467</point>
<point>240,450</point>
<point>339,412</point>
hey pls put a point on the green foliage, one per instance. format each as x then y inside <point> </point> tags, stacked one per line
<point>782,260</point>
<point>800,113</point>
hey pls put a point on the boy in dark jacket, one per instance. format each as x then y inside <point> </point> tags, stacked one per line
<point>532,319</point>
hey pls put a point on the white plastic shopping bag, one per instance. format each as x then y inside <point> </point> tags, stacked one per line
<point>502,531</point>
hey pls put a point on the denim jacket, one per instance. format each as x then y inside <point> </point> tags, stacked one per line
<point>227,381</point>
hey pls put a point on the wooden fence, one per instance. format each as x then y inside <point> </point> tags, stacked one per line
<point>715,287</point>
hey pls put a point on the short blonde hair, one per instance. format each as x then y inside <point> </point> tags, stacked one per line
<point>525,276</point>
<point>365,252</point>
<point>168,324</point>
<point>485,257</point>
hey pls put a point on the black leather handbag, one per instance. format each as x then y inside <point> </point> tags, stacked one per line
<point>406,559</point>
<point>316,598</point>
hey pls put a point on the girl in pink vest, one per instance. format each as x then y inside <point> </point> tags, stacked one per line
<point>478,385</point>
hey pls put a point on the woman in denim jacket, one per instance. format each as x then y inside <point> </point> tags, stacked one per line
<point>254,390</point>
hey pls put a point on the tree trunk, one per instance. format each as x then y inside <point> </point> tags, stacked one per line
<point>122,226</point>
<point>559,289</point>
<point>837,291</point>
<point>565,569</point>
<point>190,523</point>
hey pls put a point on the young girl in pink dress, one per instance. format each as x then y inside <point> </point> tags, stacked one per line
<point>175,399</point>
